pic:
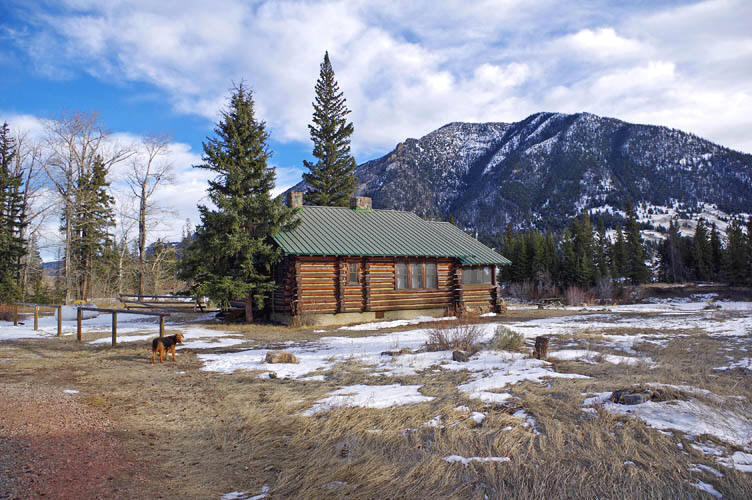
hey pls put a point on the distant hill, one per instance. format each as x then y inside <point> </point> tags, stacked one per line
<point>551,166</point>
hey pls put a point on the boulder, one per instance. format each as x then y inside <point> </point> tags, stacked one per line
<point>280,357</point>
<point>461,356</point>
<point>631,396</point>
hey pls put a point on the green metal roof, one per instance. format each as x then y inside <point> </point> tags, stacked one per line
<point>381,233</point>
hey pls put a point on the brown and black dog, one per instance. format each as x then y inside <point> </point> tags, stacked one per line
<point>165,346</point>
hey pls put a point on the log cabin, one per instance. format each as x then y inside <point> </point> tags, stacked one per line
<point>347,265</point>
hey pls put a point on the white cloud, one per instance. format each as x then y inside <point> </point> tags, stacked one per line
<point>409,67</point>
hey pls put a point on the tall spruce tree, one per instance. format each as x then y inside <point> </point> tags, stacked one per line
<point>93,218</point>
<point>12,245</point>
<point>232,254</point>
<point>736,254</point>
<point>619,254</point>
<point>331,178</point>
<point>702,252</point>
<point>637,270</point>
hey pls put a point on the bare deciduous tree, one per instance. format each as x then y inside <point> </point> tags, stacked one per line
<point>74,141</point>
<point>149,169</point>
<point>28,165</point>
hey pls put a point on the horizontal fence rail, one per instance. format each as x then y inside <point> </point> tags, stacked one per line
<point>36,314</point>
<point>115,312</point>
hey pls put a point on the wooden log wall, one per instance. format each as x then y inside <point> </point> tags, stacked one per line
<point>322,285</point>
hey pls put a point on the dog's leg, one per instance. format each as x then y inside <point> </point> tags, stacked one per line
<point>173,353</point>
<point>153,353</point>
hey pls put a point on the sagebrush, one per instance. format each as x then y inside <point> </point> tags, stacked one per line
<point>458,335</point>
<point>505,339</point>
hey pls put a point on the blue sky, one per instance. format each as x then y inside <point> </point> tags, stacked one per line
<point>406,68</point>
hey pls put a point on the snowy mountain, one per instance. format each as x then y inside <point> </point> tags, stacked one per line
<point>550,166</point>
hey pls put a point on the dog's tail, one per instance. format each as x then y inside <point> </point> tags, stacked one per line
<point>154,344</point>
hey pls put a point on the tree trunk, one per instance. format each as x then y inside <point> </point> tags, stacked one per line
<point>249,308</point>
<point>141,241</point>
<point>68,235</point>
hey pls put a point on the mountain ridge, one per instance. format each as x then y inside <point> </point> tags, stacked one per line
<point>548,167</point>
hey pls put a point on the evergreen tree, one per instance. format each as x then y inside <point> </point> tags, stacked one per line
<point>735,263</point>
<point>331,179</point>
<point>603,249</point>
<point>671,266</point>
<point>12,246</point>
<point>637,270</point>
<point>92,221</point>
<point>749,251</point>
<point>232,254</point>
<point>716,252</point>
<point>701,252</point>
<point>619,254</point>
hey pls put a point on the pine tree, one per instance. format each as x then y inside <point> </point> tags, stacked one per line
<point>603,249</point>
<point>637,270</point>
<point>232,254</point>
<point>331,179</point>
<point>749,251</point>
<point>92,221</point>
<point>12,245</point>
<point>701,252</point>
<point>672,268</point>
<point>619,254</point>
<point>736,259</point>
<point>716,252</point>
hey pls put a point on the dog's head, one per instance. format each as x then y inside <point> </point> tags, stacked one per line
<point>179,338</point>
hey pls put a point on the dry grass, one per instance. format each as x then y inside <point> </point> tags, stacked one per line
<point>215,433</point>
<point>456,335</point>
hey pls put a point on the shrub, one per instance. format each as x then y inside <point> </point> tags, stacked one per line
<point>505,339</point>
<point>6,312</point>
<point>457,335</point>
<point>576,296</point>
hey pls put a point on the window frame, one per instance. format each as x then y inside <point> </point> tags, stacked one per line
<point>410,263</point>
<point>350,271</point>
<point>478,271</point>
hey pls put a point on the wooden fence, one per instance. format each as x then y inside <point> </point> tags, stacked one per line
<point>114,312</point>
<point>79,317</point>
<point>36,314</point>
<point>176,303</point>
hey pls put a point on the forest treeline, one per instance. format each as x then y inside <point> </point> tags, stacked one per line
<point>61,179</point>
<point>591,257</point>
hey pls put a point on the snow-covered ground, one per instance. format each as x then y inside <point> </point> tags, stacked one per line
<point>131,328</point>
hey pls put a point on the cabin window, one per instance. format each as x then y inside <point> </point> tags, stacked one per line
<point>432,278</point>
<point>402,275</point>
<point>476,275</point>
<point>353,273</point>
<point>416,275</point>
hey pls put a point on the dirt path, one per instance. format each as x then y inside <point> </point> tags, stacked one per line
<point>53,446</point>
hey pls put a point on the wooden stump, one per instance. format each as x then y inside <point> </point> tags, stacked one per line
<point>541,348</point>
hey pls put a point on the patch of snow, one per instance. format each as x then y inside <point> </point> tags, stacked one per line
<point>478,417</point>
<point>380,325</point>
<point>738,460</point>
<point>745,363</point>
<point>235,495</point>
<point>466,461</point>
<point>70,391</point>
<point>370,396</point>
<point>462,408</point>
<point>590,357</point>
<point>705,468</point>
<point>707,488</point>
<point>692,418</point>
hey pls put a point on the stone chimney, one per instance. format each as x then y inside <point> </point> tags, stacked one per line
<point>295,199</point>
<point>361,203</point>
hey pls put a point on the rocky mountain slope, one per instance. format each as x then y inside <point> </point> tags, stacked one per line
<point>550,166</point>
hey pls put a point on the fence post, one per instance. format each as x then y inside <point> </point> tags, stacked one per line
<point>79,314</point>
<point>59,320</point>
<point>114,328</point>
<point>36,318</point>
<point>15,314</point>
<point>161,326</point>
